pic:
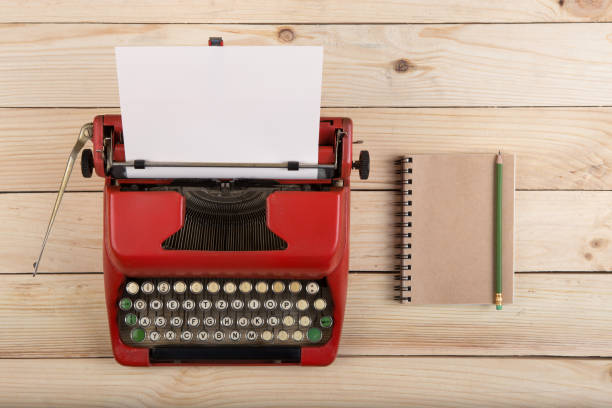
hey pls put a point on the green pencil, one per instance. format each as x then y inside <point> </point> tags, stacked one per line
<point>499,166</point>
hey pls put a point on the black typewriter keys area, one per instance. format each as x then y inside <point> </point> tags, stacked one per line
<point>224,312</point>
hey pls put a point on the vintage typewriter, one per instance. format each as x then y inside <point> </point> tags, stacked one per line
<point>209,271</point>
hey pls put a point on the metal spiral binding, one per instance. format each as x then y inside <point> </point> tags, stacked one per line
<point>404,215</point>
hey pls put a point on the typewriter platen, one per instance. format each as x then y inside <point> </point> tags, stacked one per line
<point>209,271</point>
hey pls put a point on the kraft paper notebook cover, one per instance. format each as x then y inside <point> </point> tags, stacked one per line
<point>448,229</point>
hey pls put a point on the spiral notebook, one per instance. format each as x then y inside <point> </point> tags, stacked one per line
<point>447,229</point>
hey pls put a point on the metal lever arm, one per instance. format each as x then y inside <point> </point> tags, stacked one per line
<point>85,135</point>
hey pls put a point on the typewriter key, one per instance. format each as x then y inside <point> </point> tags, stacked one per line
<point>251,335</point>
<point>257,321</point>
<point>226,321</point>
<point>254,304</point>
<point>147,288</point>
<point>278,287</point>
<point>205,304</point>
<point>267,335</point>
<point>314,334</point>
<point>301,304</point>
<point>237,304</point>
<point>188,304</point>
<point>202,336</point>
<point>229,287</point>
<point>196,287</point>
<point>282,335</point>
<point>154,336</point>
<point>221,304</point>
<point>326,321</point>
<point>297,335</point>
<point>170,335</point>
<point>212,287</point>
<point>125,304</point>
<point>305,321</point>
<point>131,319</point>
<point>288,321</point>
<point>261,287</point>
<point>209,321</point>
<point>156,304</point>
<point>270,304</point>
<point>295,287</point>
<point>235,335</point>
<point>140,304</point>
<point>176,321</point>
<point>160,321</point>
<point>272,321</point>
<point>312,288</point>
<point>243,321</point>
<point>320,304</point>
<point>172,304</point>
<point>144,321</point>
<point>193,321</point>
<point>132,288</point>
<point>186,336</point>
<point>218,335</point>
<point>163,287</point>
<point>180,287</point>
<point>245,286</point>
<point>137,335</point>
<point>285,304</point>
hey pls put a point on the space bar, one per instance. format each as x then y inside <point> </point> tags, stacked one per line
<point>226,355</point>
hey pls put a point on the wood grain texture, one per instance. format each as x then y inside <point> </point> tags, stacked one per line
<point>554,231</point>
<point>356,382</point>
<point>553,315</point>
<point>556,148</point>
<point>365,65</point>
<point>312,11</point>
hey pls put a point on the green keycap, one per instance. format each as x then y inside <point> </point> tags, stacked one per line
<point>125,304</point>
<point>326,321</point>
<point>137,335</point>
<point>314,334</point>
<point>131,319</point>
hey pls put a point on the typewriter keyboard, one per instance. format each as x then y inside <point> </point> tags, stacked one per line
<point>224,312</point>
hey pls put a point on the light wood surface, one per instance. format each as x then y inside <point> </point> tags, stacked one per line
<point>311,11</point>
<point>531,77</point>
<point>554,231</point>
<point>364,65</point>
<point>34,143</point>
<point>553,315</point>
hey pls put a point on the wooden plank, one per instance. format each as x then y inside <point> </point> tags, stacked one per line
<point>355,382</point>
<point>313,11</point>
<point>64,316</point>
<point>556,148</point>
<point>555,231</point>
<point>365,65</point>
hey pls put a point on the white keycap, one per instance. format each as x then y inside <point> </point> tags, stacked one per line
<point>188,304</point>
<point>212,287</point>
<point>270,304</point>
<point>186,336</point>
<point>193,321</point>
<point>205,304</point>
<point>163,287</point>
<point>170,335</point>
<point>282,335</point>
<point>320,304</point>
<point>243,321</point>
<point>132,288</point>
<point>273,321</point>
<point>261,287</point>
<point>176,321</point>
<point>251,335</point>
<point>312,288</point>
<point>156,304</point>
<point>218,335</point>
<point>140,304</point>
<point>235,335</point>
<point>196,287</point>
<point>245,286</point>
<point>297,335</point>
<point>301,305</point>
<point>172,304</point>
<point>278,287</point>
<point>144,321</point>
<point>237,304</point>
<point>160,321</point>
<point>154,336</point>
<point>202,336</point>
<point>221,304</point>
<point>180,287</point>
<point>288,321</point>
<point>286,304</point>
<point>305,321</point>
<point>257,321</point>
<point>209,321</point>
<point>229,287</point>
<point>295,287</point>
<point>226,321</point>
<point>147,287</point>
<point>254,304</point>
<point>267,335</point>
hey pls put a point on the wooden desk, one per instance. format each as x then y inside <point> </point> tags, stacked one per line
<point>535,79</point>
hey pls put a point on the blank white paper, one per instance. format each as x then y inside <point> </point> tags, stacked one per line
<point>229,104</point>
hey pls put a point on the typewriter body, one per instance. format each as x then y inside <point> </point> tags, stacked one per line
<point>225,271</point>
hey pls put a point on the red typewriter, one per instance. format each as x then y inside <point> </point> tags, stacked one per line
<point>209,271</point>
